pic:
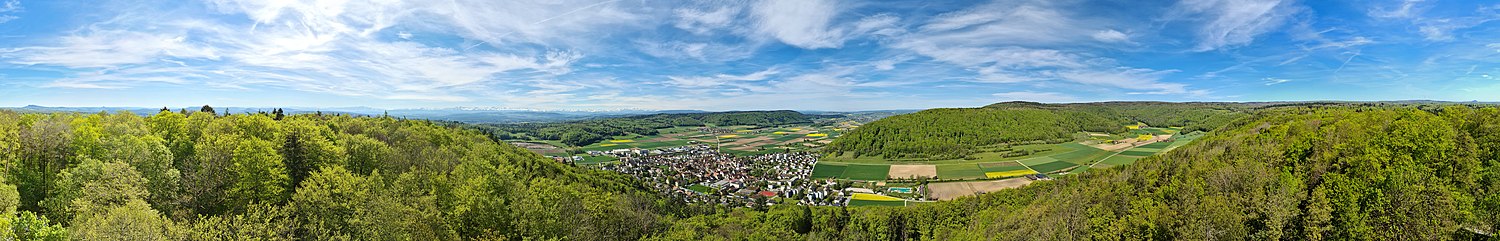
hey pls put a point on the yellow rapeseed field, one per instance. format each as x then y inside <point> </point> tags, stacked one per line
<point>1008,173</point>
<point>874,197</point>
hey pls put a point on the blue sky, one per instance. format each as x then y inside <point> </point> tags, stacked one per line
<point>724,55</point>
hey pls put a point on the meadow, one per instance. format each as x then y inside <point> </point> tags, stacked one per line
<point>1070,157</point>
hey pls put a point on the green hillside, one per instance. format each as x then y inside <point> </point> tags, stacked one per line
<point>959,132</point>
<point>311,177</point>
<point>585,132</point>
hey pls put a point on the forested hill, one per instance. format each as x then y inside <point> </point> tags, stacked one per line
<point>200,176</point>
<point>585,132</point>
<point>957,132</point>
<point>1289,173</point>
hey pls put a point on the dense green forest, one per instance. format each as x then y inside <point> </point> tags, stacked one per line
<point>585,132</point>
<point>201,176</point>
<point>1286,173</point>
<point>957,132</point>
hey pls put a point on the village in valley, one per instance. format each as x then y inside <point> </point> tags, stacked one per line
<point>762,166</point>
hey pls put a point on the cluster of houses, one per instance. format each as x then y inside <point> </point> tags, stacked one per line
<point>699,173</point>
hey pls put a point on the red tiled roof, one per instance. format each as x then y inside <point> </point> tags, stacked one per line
<point>768,193</point>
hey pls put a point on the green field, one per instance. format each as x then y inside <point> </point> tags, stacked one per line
<point>1080,169</point>
<point>701,188</point>
<point>588,160</point>
<point>867,172</point>
<point>1120,160</point>
<point>1083,154</point>
<point>1041,150</point>
<point>1052,166</point>
<point>1037,160</point>
<point>1183,140</point>
<point>1001,167</point>
<point>828,171</point>
<point>1140,153</point>
<point>1158,145</point>
<point>1157,131</point>
<point>852,171</point>
<point>1048,158</point>
<point>959,171</point>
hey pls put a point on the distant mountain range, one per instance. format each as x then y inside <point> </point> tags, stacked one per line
<point>461,114</point>
<point>475,115</point>
<point>491,115</point>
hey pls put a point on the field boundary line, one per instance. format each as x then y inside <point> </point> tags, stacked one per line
<point>1024,165</point>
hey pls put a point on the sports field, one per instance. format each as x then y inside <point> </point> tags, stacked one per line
<point>701,188</point>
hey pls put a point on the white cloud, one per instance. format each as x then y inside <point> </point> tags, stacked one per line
<point>10,6</point>
<point>325,47</point>
<point>888,64</point>
<point>721,79</point>
<point>801,23</point>
<point>1111,36</point>
<point>1275,81</point>
<point>703,51</point>
<point>879,24</point>
<point>1011,42</point>
<point>1144,80</point>
<point>111,48</point>
<point>1407,9</point>
<point>1007,56</point>
<point>1232,23</point>
<point>704,22</point>
<point>1435,33</point>
<point>1049,97</point>
<point>530,21</point>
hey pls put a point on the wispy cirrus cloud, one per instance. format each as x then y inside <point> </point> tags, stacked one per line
<point>7,9</point>
<point>1233,23</point>
<point>801,23</point>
